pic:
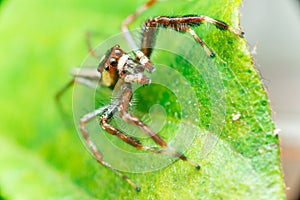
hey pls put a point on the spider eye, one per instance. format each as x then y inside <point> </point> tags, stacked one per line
<point>106,67</point>
<point>113,62</point>
<point>118,52</point>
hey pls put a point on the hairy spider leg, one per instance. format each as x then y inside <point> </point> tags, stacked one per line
<point>129,19</point>
<point>83,121</point>
<point>89,45</point>
<point>64,89</point>
<point>90,78</point>
<point>124,101</point>
<point>206,48</point>
<point>139,54</point>
<point>105,124</point>
<point>180,24</point>
<point>85,76</point>
<point>106,113</point>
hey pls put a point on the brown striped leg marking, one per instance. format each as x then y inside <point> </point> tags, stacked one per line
<point>180,24</point>
<point>148,65</point>
<point>123,111</point>
<point>114,131</point>
<point>104,122</point>
<point>87,118</point>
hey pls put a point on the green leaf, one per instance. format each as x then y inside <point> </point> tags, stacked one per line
<point>40,157</point>
<point>24,176</point>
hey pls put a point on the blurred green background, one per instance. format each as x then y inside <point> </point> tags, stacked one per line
<point>40,42</point>
<point>41,158</point>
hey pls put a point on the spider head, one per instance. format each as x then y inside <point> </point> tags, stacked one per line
<point>116,64</point>
<point>108,66</point>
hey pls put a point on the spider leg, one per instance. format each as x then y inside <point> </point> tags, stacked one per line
<point>83,121</point>
<point>89,45</point>
<point>64,89</point>
<point>180,24</point>
<point>220,25</point>
<point>123,111</point>
<point>104,122</point>
<point>206,48</point>
<point>148,40</point>
<point>131,18</point>
<point>85,76</point>
<point>145,61</point>
<point>139,55</point>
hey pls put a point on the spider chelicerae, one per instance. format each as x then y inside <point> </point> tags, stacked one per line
<point>119,70</point>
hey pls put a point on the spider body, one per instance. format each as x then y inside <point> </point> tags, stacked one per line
<point>116,64</point>
<point>119,70</point>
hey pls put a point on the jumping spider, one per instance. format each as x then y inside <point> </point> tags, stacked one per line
<point>119,70</point>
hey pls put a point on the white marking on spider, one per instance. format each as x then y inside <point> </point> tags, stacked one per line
<point>142,57</point>
<point>122,61</point>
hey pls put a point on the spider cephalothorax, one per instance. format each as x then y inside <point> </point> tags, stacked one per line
<point>116,64</point>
